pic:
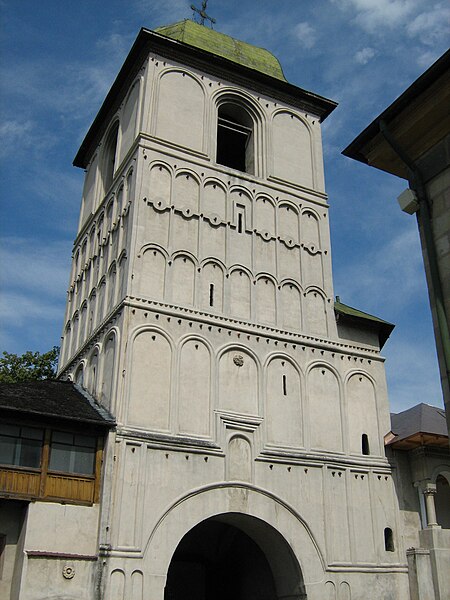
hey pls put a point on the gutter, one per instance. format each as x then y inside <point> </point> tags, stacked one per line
<point>423,217</point>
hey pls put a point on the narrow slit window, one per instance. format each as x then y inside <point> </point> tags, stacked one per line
<point>211,294</point>
<point>235,138</point>
<point>284,386</point>
<point>240,217</point>
<point>388,540</point>
<point>365,444</point>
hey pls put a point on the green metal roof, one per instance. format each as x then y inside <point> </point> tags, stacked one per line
<point>222,45</point>
<point>384,327</point>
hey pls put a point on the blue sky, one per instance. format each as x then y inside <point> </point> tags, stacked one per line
<point>57,61</point>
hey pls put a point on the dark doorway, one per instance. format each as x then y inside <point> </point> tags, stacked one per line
<point>217,560</point>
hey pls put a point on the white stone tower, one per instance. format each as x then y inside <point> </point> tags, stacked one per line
<point>248,459</point>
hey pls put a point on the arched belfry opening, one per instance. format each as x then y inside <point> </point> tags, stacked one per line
<point>234,556</point>
<point>235,138</point>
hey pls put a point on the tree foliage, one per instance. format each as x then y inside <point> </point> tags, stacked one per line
<point>30,366</point>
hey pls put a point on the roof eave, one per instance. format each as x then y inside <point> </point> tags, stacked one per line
<point>355,149</point>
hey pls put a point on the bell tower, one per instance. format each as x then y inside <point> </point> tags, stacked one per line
<point>250,405</point>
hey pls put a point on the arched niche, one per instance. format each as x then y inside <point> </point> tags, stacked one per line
<point>181,109</point>
<point>108,370</point>
<point>310,229</point>
<point>291,149</point>
<point>238,382</point>
<point>137,585</point>
<point>315,313</point>
<point>110,156</point>
<point>92,373</point>
<point>288,222</point>
<point>129,116</point>
<point>265,301</point>
<point>211,289</point>
<point>183,280</point>
<point>75,333</point>
<point>214,200</point>
<point>283,407</point>
<point>121,288</point>
<point>89,199</point>
<point>239,199</point>
<point>101,301</point>
<point>116,585</point>
<point>194,388</point>
<point>362,415</point>
<point>239,459</point>
<point>150,381</point>
<point>264,212</point>
<point>290,307</point>
<point>186,193</point>
<point>82,323</point>
<point>324,402</point>
<point>160,185</point>
<point>312,268</point>
<point>112,280</point>
<point>152,274</point>
<point>442,499</point>
<point>79,375</point>
<point>239,283</point>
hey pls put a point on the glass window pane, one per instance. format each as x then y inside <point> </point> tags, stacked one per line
<point>84,461</point>
<point>88,441</point>
<point>7,450</point>
<point>32,433</point>
<point>30,453</point>
<point>9,430</point>
<point>60,457</point>
<point>62,437</point>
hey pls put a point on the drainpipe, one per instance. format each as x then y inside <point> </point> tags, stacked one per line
<point>417,185</point>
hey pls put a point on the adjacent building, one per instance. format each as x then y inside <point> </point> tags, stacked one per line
<point>411,139</point>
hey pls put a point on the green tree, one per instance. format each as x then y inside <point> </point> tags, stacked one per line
<point>30,366</point>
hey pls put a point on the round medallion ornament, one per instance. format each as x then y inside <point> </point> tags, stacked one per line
<point>238,360</point>
<point>68,572</point>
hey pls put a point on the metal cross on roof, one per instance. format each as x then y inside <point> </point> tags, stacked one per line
<point>202,12</point>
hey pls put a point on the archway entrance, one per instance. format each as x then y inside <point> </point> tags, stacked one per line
<point>234,556</point>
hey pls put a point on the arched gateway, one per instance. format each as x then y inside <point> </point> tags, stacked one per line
<point>231,540</point>
<point>234,556</point>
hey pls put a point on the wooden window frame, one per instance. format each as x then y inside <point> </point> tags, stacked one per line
<point>42,483</point>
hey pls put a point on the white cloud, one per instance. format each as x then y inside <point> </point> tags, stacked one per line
<point>31,267</point>
<point>165,12</point>
<point>412,375</point>
<point>305,34</point>
<point>431,26</point>
<point>364,55</point>
<point>372,14</point>
<point>15,134</point>
<point>369,280</point>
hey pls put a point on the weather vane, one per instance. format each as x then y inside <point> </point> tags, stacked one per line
<point>202,12</point>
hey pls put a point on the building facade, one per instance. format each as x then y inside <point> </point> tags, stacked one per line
<point>248,459</point>
<point>411,139</point>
